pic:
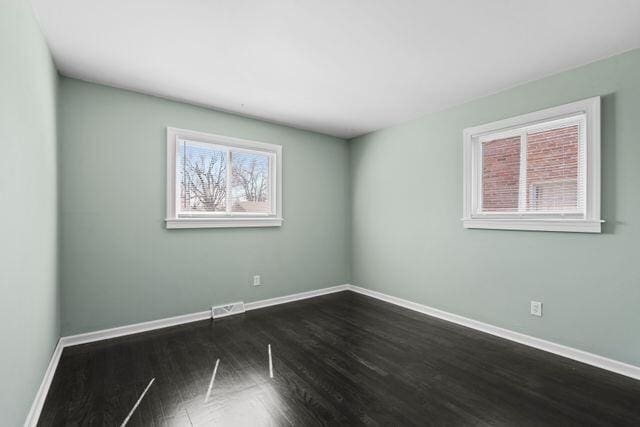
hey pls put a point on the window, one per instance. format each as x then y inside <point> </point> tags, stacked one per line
<point>218,181</point>
<point>539,171</point>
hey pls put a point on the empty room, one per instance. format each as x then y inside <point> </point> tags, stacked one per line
<point>291,212</point>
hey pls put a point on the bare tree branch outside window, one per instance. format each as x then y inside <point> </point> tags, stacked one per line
<point>203,180</point>
<point>249,182</point>
<point>250,173</point>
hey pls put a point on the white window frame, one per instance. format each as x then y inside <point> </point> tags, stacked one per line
<point>223,219</point>
<point>587,113</point>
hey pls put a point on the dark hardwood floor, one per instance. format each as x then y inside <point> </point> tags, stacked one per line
<point>337,359</point>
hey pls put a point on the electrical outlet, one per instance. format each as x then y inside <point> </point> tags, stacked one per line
<point>256,281</point>
<point>536,308</point>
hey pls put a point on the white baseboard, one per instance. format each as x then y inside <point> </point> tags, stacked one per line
<point>295,297</point>
<point>571,353</point>
<point>68,341</point>
<point>41,395</point>
<point>559,349</point>
<point>188,318</point>
<point>135,328</point>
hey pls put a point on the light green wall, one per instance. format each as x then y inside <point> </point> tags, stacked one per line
<point>408,240</point>
<point>119,265</point>
<point>28,210</point>
<point>382,211</point>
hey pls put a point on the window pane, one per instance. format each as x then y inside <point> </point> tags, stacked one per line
<point>201,178</point>
<point>552,170</point>
<point>500,174</point>
<point>250,182</point>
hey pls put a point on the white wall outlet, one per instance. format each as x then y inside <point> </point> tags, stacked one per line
<point>536,308</point>
<point>256,281</point>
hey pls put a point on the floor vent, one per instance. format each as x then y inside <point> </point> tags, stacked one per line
<point>227,309</point>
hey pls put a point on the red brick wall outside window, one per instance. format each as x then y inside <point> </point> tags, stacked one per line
<point>501,175</point>
<point>551,181</point>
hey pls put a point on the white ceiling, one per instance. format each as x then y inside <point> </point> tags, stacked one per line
<point>341,67</point>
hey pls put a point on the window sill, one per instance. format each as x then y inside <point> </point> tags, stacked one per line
<point>174,223</point>
<point>566,225</point>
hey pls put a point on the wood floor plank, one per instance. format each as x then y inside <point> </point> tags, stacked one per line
<point>340,359</point>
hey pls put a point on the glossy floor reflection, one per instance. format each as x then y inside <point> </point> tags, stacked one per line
<point>337,359</point>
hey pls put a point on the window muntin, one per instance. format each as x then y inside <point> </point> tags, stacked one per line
<point>538,171</point>
<point>218,181</point>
